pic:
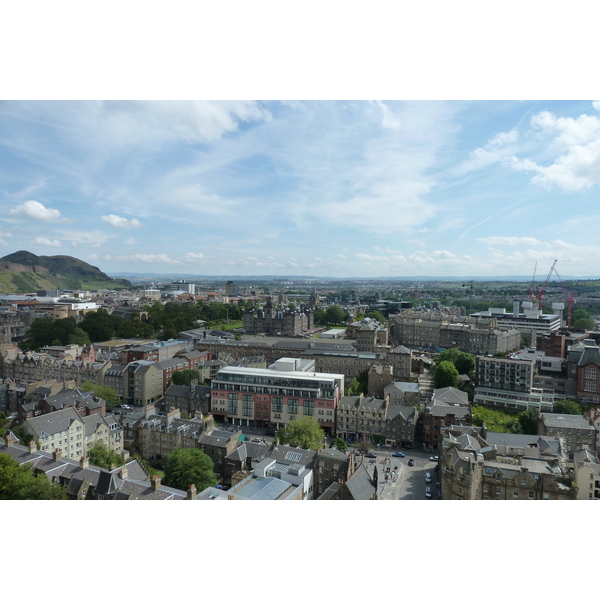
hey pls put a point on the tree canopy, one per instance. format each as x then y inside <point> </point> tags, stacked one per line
<point>184,377</point>
<point>19,482</point>
<point>304,432</point>
<point>463,361</point>
<point>445,375</point>
<point>104,392</point>
<point>340,444</point>
<point>103,457</point>
<point>189,465</point>
<point>569,407</point>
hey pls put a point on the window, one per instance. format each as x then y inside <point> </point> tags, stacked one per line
<point>232,407</point>
<point>277,405</point>
<point>309,407</point>
<point>293,406</point>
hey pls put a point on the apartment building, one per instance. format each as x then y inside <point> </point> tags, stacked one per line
<point>577,431</point>
<point>267,398</point>
<point>587,475</point>
<point>447,407</point>
<point>73,435</point>
<point>478,465</point>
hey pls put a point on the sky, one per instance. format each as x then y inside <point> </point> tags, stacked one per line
<point>309,188</point>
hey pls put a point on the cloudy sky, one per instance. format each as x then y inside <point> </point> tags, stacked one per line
<point>322,188</point>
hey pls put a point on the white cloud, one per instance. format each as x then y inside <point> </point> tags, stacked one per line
<point>499,148</point>
<point>42,241</point>
<point>140,258</point>
<point>121,222</point>
<point>32,209</point>
<point>509,241</point>
<point>191,257</point>
<point>576,147</point>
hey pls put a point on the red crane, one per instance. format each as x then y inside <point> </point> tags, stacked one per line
<point>570,298</point>
<point>540,291</point>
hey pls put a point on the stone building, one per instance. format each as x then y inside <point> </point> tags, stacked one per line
<point>273,321</point>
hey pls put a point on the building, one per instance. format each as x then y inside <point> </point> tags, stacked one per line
<point>478,465</point>
<point>272,398</point>
<point>448,407</point>
<point>403,393</point>
<point>576,430</point>
<point>273,321</point>
<point>583,366</point>
<point>587,475</point>
<point>362,418</point>
<point>66,431</point>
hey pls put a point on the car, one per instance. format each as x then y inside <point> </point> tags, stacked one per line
<point>428,477</point>
<point>357,453</point>
<point>434,458</point>
<point>427,492</point>
<point>399,454</point>
<point>371,455</point>
<point>411,463</point>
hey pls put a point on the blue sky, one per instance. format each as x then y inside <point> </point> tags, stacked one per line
<point>321,188</point>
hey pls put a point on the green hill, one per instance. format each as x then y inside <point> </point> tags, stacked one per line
<point>22,272</point>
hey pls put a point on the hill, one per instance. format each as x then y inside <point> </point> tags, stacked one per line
<point>23,271</point>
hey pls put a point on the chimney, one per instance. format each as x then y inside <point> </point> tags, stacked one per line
<point>230,497</point>
<point>155,483</point>
<point>32,447</point>
<point>8,439</point>
<point>84,462</point>
<point>124,472</point>
<point>56,453</point>
<point>112,467</point>
<point>191,492</point>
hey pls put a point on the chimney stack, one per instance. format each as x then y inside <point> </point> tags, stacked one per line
<point>84,462</point>
<point>155,484</point>
<point>124,472</point>
<point>191,492</point>
<point>32,447</point>
<point>56,454</point>
<point>8,439</point>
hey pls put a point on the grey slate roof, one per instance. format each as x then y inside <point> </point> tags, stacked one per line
<point>54,422</point>
<point>360,485</point>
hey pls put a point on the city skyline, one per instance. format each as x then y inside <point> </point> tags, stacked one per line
<point>308,188</point>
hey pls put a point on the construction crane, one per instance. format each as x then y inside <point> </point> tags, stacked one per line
<point>540,291</point>
<point>531,287</point>
<point>570,298</point>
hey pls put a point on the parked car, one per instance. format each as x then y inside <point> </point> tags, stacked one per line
<point>371,455</point>
<point>427,492</point>
<point>434,458</point>
<point>411,463</point>
<point>399,454</point>
<point>428,477</point>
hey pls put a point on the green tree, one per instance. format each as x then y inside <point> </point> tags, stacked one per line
<point>585,323</point>
<point>19,482</point>
<point>104,392</point>
<point>463,361</point>
<point>104,457</point>
<point>528,421</point>
<point>340,444</point>
<point>334,315</point>
<point>445,375</point>
<point>184,377</point>
<point>568,407</point>
<point>304,432</point>
<point>377,315</point>
<point>189,465</point>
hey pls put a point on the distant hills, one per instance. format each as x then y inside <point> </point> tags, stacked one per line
<point>23,272</point>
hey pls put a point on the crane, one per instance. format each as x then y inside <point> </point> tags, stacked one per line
<point>540,291</point>
<point>531,287</point>
<point>570,298</point>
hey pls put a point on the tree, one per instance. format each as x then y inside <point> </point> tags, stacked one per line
<point>189,465</point>
<point>585,323</point>
<point>377,315</point>
<point>19,482</point>
<point>103,392</point>
<point>184,377</point>
<point>568,407</point>
<point>463,361</point>
<point>445,375</point>
<point>335,314</point>
<point>304,432</point>
<point>104,457</point>
<point>340,444</point>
